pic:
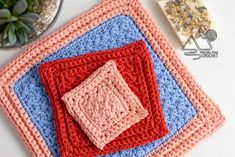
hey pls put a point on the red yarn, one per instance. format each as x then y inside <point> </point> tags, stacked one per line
<point>135,65</point>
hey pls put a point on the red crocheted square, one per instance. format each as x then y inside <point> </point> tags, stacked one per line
<point>104,105</point>
<point>136,67</point>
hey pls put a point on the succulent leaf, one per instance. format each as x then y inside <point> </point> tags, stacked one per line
<point>22,36</point>
<point>19,7</point>
<point>5,32</point>
<point>4,13</point>
<point>2,22</point>
<point>29,18</point>
<point>12,37</point>
<point>24,26</point>
<point>11,19</point>
<point>34,31</point>
<point>5,3</point>
<point>12,27</point>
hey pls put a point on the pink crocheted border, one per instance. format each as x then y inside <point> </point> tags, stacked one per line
<point>209,116</point>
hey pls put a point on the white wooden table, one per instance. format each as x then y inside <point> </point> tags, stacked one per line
<point>216,76</point>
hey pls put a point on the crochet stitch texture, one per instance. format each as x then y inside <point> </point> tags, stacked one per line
<point>190,114</point>
<point>104,105</point>
<point>136,67</point>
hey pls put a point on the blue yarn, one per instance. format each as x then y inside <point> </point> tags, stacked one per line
<point>116,32</point>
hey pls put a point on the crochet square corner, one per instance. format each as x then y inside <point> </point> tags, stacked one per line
<point>104,105</point>
<point>136,67</point>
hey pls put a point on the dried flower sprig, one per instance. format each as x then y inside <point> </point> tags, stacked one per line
<point>188,17</point>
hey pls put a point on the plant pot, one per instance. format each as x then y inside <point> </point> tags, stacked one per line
<point>48,11</point>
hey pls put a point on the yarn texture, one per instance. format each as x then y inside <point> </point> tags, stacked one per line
<point>136,67</point>
<point>104,105</point>
<point>191,115</point>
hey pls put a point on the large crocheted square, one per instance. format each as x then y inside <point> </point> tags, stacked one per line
<point>136,67</point>
<point>190,114</point>
<point>104,105</point>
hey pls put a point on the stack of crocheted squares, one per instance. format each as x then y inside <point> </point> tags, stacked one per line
<point>104,105</point>
<point>67,113</point>
<point>80,74</point>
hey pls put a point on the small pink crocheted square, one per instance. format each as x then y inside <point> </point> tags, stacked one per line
<point>104,105</point>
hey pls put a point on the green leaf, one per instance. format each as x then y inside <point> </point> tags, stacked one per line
<point>22,35</point>
<point>12,19</point>
<point>5,32</point>
<point>34,31</point>
<point>19,7</point>
<point>12,27</point>
<point>2,22</point>
<point>5,3</point>
<point>12,37</point>
<point>4,13</point>
<point>21,24</point>
<point>13,1</point>
<point>29,18</point>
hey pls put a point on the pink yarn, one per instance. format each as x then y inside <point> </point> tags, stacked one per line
<point>104,105</point>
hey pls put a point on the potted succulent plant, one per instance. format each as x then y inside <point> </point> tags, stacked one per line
<point>17,25</point>
<point>22,21</point>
